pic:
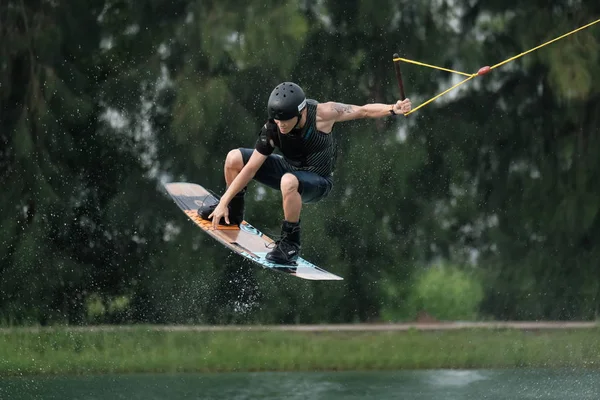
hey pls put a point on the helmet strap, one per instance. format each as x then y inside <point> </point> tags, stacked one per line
<point>299,118</point>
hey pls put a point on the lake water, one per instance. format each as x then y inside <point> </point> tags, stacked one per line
<point>511,384</point>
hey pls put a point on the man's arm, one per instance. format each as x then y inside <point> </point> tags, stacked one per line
<point>333,112</point>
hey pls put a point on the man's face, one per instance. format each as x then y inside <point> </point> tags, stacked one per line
<point>287,125</point>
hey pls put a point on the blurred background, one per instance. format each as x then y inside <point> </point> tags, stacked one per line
<point>483,205</point>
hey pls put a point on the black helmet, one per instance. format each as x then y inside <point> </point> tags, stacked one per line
<point>286,101</point>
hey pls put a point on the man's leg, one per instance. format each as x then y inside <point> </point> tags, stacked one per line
<point>233,165</point>
<point>292,200</point>
<point>294,193</point>
<point>287,249</point>
<point>296,188</point>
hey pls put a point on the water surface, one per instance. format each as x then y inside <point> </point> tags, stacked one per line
<point>418,385</point>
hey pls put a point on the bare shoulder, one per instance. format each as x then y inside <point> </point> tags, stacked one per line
<point>338,112</point>
<point>326,116</point>
<point>330,112</point>
<point>335,111</point>
<point>333,108</point>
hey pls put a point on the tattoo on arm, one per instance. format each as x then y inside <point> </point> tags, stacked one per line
<point>341,108</point>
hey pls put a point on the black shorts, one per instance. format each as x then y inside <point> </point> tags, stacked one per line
<point>312,188</point>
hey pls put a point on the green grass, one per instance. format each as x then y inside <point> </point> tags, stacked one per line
<point>140,349</point>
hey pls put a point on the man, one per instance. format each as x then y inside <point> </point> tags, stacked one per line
<point>302,130</point>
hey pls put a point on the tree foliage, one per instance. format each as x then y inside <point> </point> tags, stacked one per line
<point>101,101</point>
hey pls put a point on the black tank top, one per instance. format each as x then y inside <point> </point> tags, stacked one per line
<point>308,149</point>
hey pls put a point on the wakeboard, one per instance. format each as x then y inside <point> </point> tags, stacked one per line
<point>245,239</point>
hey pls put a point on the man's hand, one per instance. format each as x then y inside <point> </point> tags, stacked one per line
<point>221,211</point>
<point>402,107</point>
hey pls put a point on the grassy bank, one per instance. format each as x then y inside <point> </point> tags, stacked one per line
<point>141,349</point>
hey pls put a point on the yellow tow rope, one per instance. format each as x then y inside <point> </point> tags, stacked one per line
<point>482,70</point>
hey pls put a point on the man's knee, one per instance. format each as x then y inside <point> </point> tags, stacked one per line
<point>289,184</point>
<point>234,160</point>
